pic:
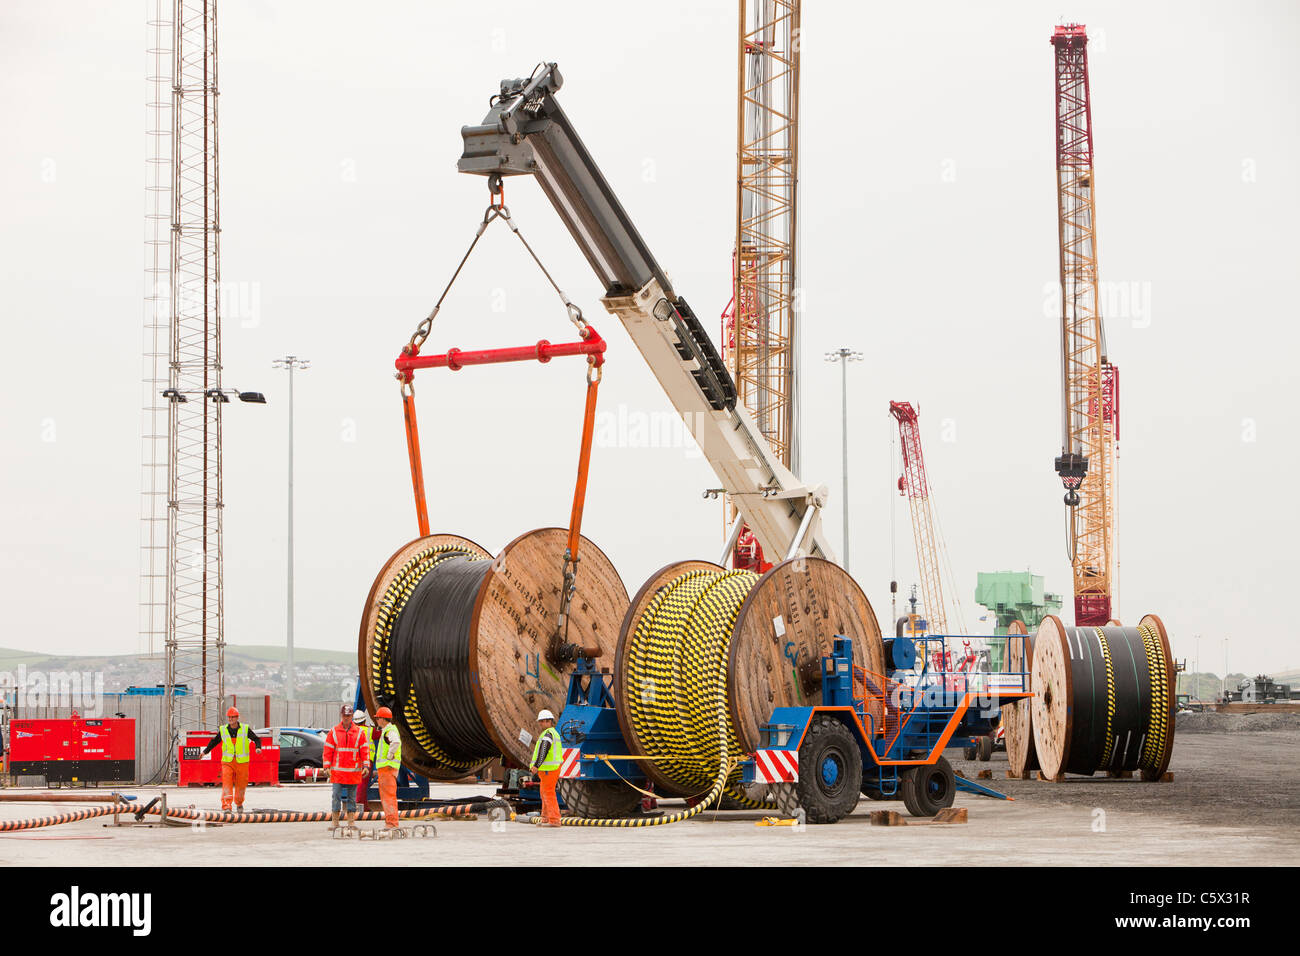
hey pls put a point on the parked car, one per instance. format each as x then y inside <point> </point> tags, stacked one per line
<point>299,747</point>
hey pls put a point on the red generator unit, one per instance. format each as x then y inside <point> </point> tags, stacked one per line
<point>199,769</point>
<point>73,749</point>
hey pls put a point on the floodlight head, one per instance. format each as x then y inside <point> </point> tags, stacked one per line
<point>217,395</point>
<point>173,395</point>
<point>253,398</point>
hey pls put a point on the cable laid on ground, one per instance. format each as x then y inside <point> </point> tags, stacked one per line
<point>227,816</point>
<point>73,816</point>
<point>320,816</point>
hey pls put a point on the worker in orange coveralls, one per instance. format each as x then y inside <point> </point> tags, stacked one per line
<point>546,764</point>
<point>234,739</point>
<point>347,754</point>
<point>387,761</point>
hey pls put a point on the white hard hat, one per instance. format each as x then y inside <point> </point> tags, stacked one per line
<point>546,715</point>
<point>359,716</point>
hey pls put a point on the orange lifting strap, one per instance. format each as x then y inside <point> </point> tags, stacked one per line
<point>584,459</point>
<point>413,451</point>
<point>592,345</point>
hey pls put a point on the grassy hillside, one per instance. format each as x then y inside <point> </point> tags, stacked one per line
<point>12,657</point>
<point>301,655</point>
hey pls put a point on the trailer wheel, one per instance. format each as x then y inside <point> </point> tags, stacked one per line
<point>929,788</point>
<point>984,748</point>
<point>830,771</point>
<point>597,799</point>
<point>970,753</point>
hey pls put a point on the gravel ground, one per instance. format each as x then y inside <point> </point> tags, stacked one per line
<point>1212,722</point>
<point>1245,774</point>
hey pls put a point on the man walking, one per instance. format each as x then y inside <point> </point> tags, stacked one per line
<point>388,760</point>
<point>234,739</point>
<point>545,762</point>
<point>347,751</point>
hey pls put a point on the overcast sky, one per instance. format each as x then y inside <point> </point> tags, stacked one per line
<point>929,243</point>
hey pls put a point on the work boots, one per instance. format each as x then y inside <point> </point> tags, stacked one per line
<point>352,820</point>
<point>334,821</point>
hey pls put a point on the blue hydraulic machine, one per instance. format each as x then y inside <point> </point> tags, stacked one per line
<point>880,736</point>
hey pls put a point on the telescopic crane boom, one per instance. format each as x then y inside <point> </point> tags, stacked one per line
<point>527,133</point>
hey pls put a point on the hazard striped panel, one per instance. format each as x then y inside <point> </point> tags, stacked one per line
<point>569,761</point>
<point>776,766</point>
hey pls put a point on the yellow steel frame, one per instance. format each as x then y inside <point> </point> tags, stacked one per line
<point>1088,430</point>
<point>761,353</point>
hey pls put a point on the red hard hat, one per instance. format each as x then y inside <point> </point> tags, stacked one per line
<point>232,712</point>
<point>385,713</point>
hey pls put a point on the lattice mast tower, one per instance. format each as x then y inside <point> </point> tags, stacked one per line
<point>760,324</point>
<point>195,632</point>
<point>1090,384</point>
<point>155,377</point>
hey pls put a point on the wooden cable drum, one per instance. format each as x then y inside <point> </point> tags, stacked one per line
<point>705,654</point>
<point>1016,715</point>
<point>1103,698</point>
<point>463,647</point>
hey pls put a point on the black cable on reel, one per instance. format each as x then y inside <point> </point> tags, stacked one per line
<point>1117,717</point>
<point>430,655</point>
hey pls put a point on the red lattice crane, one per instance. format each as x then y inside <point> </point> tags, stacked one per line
<point>1090,384</point>
<point>925,530</point>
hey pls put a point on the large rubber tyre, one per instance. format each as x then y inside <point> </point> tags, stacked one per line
<point>970,753</point>
<point>984,749</point>
<point>786,798</point>
<point>928,789</point>
<point>598,799</point>
<point>830,771</point>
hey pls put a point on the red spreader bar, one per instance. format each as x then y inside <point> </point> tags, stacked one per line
<point>591,345</point>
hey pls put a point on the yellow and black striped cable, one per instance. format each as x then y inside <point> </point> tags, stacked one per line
<point>1158,725</point>
<point>1109,746</point>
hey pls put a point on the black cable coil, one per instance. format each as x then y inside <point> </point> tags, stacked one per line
<point>429,655</point>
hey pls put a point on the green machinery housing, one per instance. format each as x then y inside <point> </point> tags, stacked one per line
<point>1015,596</point>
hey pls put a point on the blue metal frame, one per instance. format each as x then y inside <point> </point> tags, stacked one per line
<point>926,703</point>
<point>590,723</point>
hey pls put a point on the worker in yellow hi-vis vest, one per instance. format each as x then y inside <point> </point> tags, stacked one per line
<point>388,760</point>
<point>234,739</point>
<point>546,764</point>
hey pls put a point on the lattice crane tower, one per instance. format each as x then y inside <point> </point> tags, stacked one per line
<point>760,324</point>
<point>1090,384</point>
